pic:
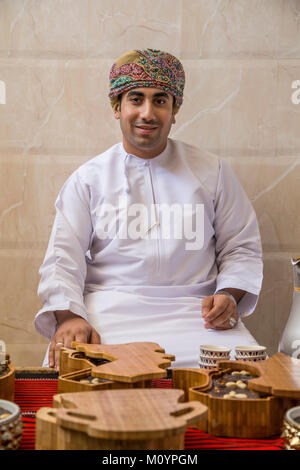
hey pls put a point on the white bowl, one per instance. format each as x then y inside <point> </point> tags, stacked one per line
<point>211,350</point>
<point>251,358</point>
<point>250,350</point>
<point>246,356</point>
<point>207,366</point>
<point>212,360</point>
<point>208,360</point>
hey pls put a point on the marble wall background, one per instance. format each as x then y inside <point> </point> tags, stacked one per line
<point>240,59</point>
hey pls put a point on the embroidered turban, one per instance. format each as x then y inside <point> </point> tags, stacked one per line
<point>147,68</point>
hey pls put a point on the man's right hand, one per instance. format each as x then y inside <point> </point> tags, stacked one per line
<point>71,328</point>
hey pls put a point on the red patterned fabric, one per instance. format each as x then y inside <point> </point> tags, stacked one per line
<point>32,394</point>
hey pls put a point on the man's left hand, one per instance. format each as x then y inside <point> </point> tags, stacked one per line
<point>217,310</point>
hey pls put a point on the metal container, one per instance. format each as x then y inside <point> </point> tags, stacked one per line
<point>290,340</point>
<point>11,427</point>
<point>291,429</point>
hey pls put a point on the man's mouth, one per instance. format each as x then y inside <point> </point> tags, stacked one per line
<point>146,129</point>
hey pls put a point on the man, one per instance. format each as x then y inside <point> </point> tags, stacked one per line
<point>120,265</point>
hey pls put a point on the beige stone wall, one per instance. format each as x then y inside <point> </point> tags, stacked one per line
<point>240,59</point>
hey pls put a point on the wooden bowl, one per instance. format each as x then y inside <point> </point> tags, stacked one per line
<point>71,382</point>
<point>234,417</point>
<point>129,365</point>
<point>117,420</point>
<point>7,383</point>
<point>71,360</point>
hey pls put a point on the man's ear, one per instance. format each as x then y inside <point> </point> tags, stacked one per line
<point>117,112</point>
<point>174,119</point>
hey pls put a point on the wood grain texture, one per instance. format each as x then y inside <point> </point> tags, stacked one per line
<point>279,375</point>
<point>46,429</point>
<point>130,362</point>
<point>69,383</point>
<point>245,418</point>
<point>70,362</point>
<point>7,384</point>
<point>132,365</point>
<point>119,419</point>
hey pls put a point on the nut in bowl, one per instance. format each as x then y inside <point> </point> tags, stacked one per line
<point>11,426</point>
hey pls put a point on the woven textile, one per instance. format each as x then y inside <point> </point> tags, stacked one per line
<point>147,68</point>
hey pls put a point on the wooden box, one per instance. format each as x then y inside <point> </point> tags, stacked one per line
<point>277,377</point>
<point>7,381</point>
<point>130,365</point>
<point>117,419</point>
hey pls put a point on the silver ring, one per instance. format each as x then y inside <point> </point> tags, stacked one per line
<point>58,343</point>
<point>232,322</point>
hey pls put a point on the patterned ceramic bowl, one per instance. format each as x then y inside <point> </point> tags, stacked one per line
<point>11,425</point>
<point>209,360</point>
<point>247,351</point>
<point>203,365</point>
<point>214,351</point>
<point>250,358</point>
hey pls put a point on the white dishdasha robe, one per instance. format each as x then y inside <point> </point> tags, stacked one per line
<point>150,287</point>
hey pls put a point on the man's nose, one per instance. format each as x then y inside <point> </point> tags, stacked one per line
<point>147,110</point>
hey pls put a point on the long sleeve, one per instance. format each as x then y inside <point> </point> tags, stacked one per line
<point>63,271</point>
<point>238,243</point>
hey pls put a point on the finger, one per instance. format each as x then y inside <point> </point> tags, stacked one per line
<point>95,337</point>
<point>221,304</point>
<point>58,345</point>
<point>51,354</point>
<point>222,323</point>
<point>82,337</point>
<point>223,319</point>
<point>207,304</point>
<point>216,311</point>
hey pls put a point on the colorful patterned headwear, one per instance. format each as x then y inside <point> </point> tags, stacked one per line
<point>147,68</point>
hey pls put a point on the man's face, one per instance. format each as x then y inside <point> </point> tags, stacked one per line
<point>146,116</point>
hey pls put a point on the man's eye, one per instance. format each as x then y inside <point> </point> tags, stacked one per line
<point>161,101</point>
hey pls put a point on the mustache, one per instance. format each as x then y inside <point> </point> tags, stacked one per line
<point>146,123</point>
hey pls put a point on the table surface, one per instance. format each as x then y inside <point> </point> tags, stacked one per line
<point>35,387</point>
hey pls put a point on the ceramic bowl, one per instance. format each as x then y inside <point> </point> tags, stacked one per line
<point>11,427</point>
<point>214,351</point>
<point>204,365</point>
<point>250,358</point>
<point>212,360</point>
<point>247,351</point>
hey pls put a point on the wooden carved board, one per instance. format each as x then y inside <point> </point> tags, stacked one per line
<point>7,384</point>
<point>128,414</point>
<point>130,362</point>
<point>278,376</point>
<point>231,416</point>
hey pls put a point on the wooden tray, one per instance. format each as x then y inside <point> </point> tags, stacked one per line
<point>117,419</point>
<point>7,383</point>
<point>279,376</point>
<point>246,418</point>
<point>130,365</point>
